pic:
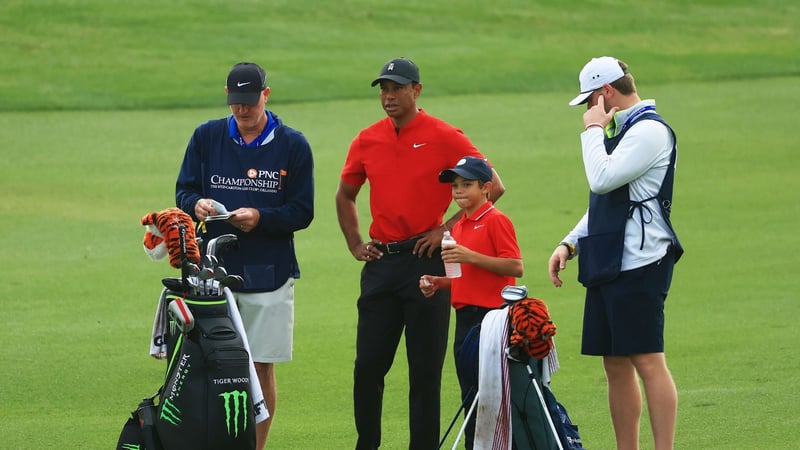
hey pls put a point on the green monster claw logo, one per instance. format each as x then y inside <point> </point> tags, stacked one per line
<point>235,411</point>
<point>170,413</point>
<point>130,447</point>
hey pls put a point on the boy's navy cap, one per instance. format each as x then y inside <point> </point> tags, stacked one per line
<point>399,70</point>
<point>469,168</point>
<point>246,81</point>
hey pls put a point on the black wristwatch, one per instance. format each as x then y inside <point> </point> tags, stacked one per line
<point>570,248</point>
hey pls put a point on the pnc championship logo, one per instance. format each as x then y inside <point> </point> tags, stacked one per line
<point>235,403</point>
<point>261,180</point>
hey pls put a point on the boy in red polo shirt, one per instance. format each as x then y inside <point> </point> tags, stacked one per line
<point>489,254</point>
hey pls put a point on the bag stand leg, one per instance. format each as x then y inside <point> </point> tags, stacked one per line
<point>452,422</point>
<point>544,406</point>
<point>466,419</point>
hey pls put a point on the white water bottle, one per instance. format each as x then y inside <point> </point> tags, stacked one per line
<point>451,270</point>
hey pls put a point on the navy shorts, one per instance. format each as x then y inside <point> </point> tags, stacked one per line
<point>626,316</point>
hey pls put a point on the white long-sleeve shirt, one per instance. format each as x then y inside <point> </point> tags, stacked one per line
<point>640,159</point>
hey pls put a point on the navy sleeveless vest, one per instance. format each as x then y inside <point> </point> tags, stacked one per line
<point>600,256</point>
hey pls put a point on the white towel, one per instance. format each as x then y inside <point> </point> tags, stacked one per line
<point>493,422</point>
<point>158,343</point>
<point>158,347</point>
<point>550,364</point>
<point>259,403</point>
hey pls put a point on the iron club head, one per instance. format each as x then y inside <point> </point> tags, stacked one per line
<point>232,282</point>
<point>513,294</point>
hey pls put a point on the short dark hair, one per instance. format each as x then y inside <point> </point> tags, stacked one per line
<point>626,84</point>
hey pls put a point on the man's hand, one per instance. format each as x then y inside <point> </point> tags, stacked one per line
<point>597,114</point>
<point>366,251</point>
<point>204,208</point>
<point>429,242</point>
<point>245,219</point>
<point>557,263</point>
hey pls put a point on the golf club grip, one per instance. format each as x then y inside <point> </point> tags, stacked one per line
<point>184,259</point>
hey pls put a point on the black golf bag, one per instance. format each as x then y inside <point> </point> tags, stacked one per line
<point>205,401</point>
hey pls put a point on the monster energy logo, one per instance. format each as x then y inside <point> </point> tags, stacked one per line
<point>235,411</point>
<point>170,413</point>
<point>173,327</point>
<point>130,447</point>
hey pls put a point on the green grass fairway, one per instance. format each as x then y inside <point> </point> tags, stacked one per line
<point>98,100</point>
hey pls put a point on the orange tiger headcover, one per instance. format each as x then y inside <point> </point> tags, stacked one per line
<point>532,328</point>
<point>163,236</point>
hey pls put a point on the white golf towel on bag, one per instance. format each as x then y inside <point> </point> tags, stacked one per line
<point>493,422</point>
<point>158,347</point>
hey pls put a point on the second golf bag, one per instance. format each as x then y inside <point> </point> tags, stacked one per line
<point>511,356</point>
<point>205,401</point>
<point>538,420</point>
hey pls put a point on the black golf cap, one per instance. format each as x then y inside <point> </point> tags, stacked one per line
<point>400,70</point>
<point>470,168</point>
<point>245,82</point>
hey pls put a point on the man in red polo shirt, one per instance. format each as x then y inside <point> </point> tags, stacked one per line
<point>401,157</point>
<point>490,260</point>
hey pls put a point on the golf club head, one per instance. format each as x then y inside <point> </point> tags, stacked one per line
<point>210,261</point>
<point>173,284</point>
<point>517,354</point>
<point>220,273</point>
<point>513,294</point>
<point>232,282</point>
<point>217,246</point>
<point>190,268</point>
<point>206,273</point>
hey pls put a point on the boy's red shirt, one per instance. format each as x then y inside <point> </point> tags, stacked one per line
<point>490,232</point>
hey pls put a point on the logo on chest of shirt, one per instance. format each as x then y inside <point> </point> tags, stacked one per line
<point>258,180</point>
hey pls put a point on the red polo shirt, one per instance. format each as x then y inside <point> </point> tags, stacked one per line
<point>490,232</point>
<point>406,198</point>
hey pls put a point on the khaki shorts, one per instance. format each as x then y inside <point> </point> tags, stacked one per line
<point>268,319</point>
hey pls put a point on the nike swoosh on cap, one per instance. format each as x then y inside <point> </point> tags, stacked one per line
<point>419,145</point>
<point>242,84</point>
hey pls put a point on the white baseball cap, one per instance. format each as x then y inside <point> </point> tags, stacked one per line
<point>595,74</point>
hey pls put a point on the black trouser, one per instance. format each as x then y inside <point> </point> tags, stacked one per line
<point>466,318</point>
<point>390,302</point>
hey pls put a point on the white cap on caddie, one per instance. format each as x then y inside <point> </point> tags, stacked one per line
<point>595,74</point>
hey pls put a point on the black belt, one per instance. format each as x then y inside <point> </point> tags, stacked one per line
<point>393,248</point>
